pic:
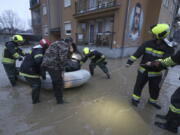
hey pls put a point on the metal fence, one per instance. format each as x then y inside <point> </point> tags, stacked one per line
<point>99,6</point>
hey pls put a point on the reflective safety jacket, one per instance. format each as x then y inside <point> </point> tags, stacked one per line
<point>11,53</point>
<point>151,51</point>
<point>95,57</point>
<point>171,61</point>
<point>31,66</point>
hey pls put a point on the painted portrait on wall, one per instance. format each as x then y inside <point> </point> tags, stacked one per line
<point>135,22</point>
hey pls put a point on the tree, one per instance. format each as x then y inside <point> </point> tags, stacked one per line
<point>10,20</point>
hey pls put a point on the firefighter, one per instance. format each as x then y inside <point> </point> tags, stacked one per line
<point>54,62</point>
<point>173,115</point>
<point>151,50</point>
<point>31,68</point>
<point>12,53</point>
<point>97,59</point>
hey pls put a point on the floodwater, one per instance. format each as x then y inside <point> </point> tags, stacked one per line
<point>100,107</point>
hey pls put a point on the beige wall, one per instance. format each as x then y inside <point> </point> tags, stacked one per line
<point>149,17</point>
<point>119,23</point>
<point>167,13</point>
<point>54,13</point>
<point>67,16</point>
<point>52,19</point>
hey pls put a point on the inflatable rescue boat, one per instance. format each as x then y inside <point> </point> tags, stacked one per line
<point>73,77</point>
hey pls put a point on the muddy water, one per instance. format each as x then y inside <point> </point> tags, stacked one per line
<point>100,107</point>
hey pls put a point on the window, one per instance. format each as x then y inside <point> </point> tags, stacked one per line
<point>83,27</point>
<point>45,30</point>
<point>44,9</point>
<point>100,27</point>
<point>108,25</point>
<point>92,4</point>
<point>36,17</point>
<point>172,8</point>
<point>166,3</point>
<point>67,3</point>
<point>67,28</point>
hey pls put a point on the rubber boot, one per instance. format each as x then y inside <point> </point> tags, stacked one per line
<point>108,75</point>
<point>164,126</point>
<point>154,105</point>
<point>60,101</point>
<point>134,102</point>
<point>163,117</point>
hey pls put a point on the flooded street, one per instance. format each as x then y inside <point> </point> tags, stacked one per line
<point>100,107</point>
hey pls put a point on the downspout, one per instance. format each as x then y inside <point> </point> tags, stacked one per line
<point>60,17</point>
<point>49,18</point>
<point>124,30</point>
<point>174,16</point>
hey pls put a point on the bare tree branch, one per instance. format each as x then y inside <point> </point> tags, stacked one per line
<point>10,20</point>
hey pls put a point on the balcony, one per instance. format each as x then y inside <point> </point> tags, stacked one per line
<point>34,4</point>
<point>83,9</point>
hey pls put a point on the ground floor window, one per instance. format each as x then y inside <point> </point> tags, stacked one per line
<point>97,32</point>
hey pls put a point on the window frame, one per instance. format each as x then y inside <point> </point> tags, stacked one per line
<point>69,3</point>
<point>65,31</point>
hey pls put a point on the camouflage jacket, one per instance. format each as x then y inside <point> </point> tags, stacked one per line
<point>55,56</point>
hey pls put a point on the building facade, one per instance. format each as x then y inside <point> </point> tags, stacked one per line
<point>115,27</point>
<point>46,18</point>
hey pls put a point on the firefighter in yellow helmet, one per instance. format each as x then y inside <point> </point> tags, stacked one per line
<point>11,53</point>
<point>172,118</point>
<point>151,50</point>
<point>97,59</point>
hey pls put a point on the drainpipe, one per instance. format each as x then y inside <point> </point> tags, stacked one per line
<point>49,16</point>
<point>61,17</point>
<point>124,30</point>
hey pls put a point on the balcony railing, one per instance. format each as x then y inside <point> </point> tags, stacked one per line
<point>99,6</point>
<point>101,39</point>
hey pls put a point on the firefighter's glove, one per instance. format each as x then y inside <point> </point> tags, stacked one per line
<point>153,66</point>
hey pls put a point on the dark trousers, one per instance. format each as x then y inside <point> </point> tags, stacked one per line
<point>142,79</point>
<point>101,65</point>
<point>11,73</point>
<point>173,119</point>
<point>58,83</point>
<point>35,84</point>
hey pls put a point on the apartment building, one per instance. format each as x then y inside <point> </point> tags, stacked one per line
<point>115,27</point>
<point>46,18</point>
<point>36,16</point>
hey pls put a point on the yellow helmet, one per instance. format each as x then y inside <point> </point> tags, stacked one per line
<point>17,38</point>
<point>161,31</point>
<point>86,51</point>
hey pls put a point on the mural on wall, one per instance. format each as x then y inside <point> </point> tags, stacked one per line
<point>136,22</point>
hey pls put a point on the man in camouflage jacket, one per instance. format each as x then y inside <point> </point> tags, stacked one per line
<point>54,62</point>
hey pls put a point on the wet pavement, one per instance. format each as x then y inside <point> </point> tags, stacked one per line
<point>100,107</point>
